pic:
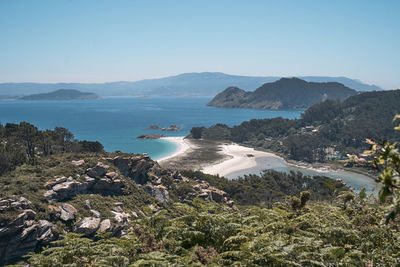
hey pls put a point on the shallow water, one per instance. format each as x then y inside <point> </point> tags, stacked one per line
<point>116,122</point>
<point>355,180</point>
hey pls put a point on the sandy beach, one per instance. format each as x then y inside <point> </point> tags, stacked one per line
<point>183,146</point>
<point>232,160</point>
<point>233,157</point>
<point>240,157</point>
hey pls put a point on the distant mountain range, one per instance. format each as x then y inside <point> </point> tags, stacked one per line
<point>62,94</point>
<point>187,84</point>
<point>286,93</point>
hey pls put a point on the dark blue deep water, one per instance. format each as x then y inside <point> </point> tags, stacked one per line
<point>116,122</point>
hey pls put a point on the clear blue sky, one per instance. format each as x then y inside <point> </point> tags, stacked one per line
<point>97,41</point>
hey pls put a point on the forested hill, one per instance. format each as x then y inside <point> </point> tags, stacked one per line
<point>62,94</point>
<point>343,126</point>
<point>286,93</point>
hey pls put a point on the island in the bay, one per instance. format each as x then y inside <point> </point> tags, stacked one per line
<point>171,128</point>
<point>61,94</point>
<point>286,93</point>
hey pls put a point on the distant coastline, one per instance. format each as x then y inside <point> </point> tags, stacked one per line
<point>61,94</point>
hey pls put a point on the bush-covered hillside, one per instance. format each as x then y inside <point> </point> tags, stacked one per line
<point>198,233</point>
<point>323,130</point>
<point>286,93</point>
<point>116,209</point>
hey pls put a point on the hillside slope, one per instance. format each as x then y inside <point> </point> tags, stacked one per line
<point>286,93</point>
<point>333,125</point>
<point>56,188</point>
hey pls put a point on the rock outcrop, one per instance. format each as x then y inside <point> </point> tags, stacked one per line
<point>95,180</point>
<point>67,212</point>
<point>210,193</point>
<point>97,171</point>
<point>21,203</point>
<point>135,167</point>
<point>88,226</point>
<point>22,233</point>
<point>78,162</point>
<point>65,190</point>
<point>105,225</point>
<point>159,192</point>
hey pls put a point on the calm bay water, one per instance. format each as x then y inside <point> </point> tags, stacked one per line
<point>116,122</point>
<point>356,180</point>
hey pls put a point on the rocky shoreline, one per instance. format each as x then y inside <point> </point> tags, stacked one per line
<point>150,136</point>
<point>172,127</point>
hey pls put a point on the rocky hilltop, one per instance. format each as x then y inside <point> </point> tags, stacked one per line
<point>88,195</point>
<point>62,94</point>
<point>72,203</point>
<point>286,93</point>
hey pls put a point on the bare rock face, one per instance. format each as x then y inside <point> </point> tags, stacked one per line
<point>55,212</point>
<point>88,226</point>
<point>98,171</point>
<point>105,225</point>
<point>23,234</point>
<point>210,193</point>
<point>121,217</point>
<point>45,235</point>
<point>135,167</point>
<point>59,180</point>
<point>21,203</point>
<point>106,185</point>
<point>78,162</point>
<point>159,192</point>
<point>96,180</point>
<point>65,190</point>
<point>68,212</point>
<point>95,213</point>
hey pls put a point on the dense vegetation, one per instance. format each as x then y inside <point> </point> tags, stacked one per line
<point>286,93</point>
<point>200,233</point>
<point>342,126</point>
<point>272,186</point>
<point>386,158</point>
<point>277,220</point>
<point>23,142</point>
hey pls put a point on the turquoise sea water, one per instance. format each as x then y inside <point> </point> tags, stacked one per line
<point>116,122</point>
